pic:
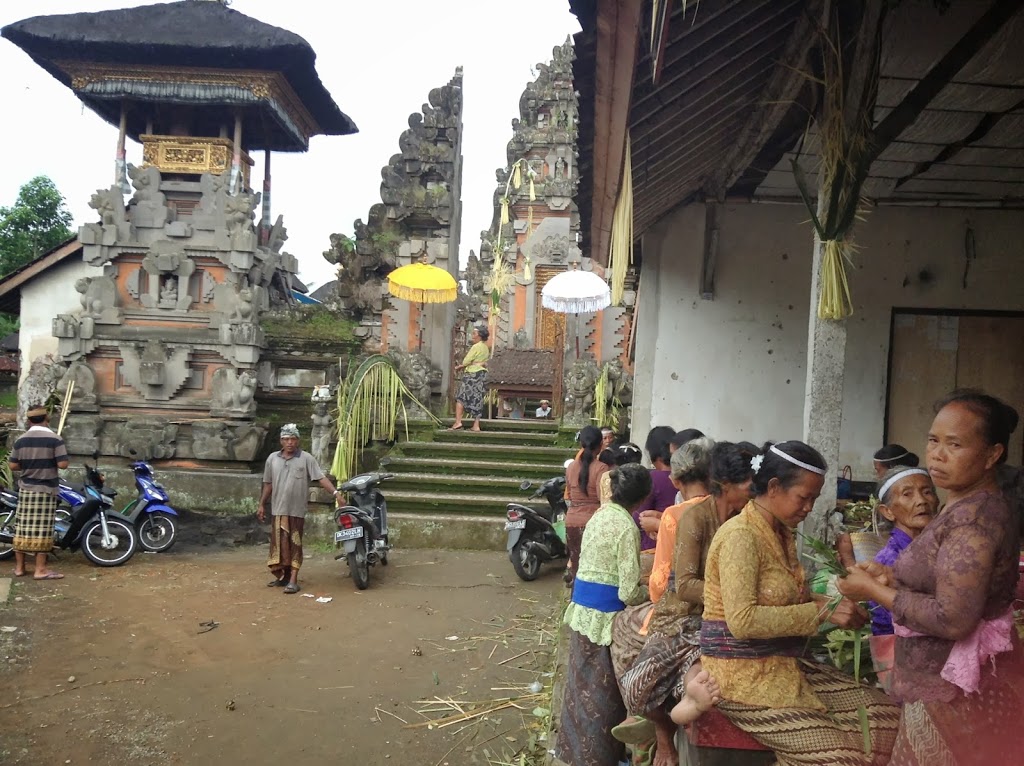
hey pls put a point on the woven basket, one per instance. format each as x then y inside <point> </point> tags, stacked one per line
<point>866,545</point>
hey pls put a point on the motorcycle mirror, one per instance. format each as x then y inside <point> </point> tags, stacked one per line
<point>567,463</point>
<point>95,455</point>
<point>525,485</point>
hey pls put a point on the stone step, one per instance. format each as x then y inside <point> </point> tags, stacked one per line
<point>541,470</point>
<point>455,484</point>
<point>405,501</point>
<point>539,438</point>
<point>508,424</point>
<point>483,451</point>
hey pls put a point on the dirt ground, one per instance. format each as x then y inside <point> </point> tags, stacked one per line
<point>281,678</point>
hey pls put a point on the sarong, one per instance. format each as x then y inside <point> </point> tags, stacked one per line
<point>573,543</point>
<point>626,638</point>
<point>658,673</point>
<point>471,393</point>
<point>804,737</point>
<point>285,544</point>
<point>975,729</point>
<point>591,706</point>
<point>33,522</point>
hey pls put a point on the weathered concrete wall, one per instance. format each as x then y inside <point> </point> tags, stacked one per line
<point>735,366</point>
<point>42,300</point>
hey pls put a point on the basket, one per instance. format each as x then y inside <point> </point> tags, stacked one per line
<point>867,544</point>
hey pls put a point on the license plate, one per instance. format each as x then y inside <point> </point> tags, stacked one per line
<point>515,525</point>
<point>348,534</point>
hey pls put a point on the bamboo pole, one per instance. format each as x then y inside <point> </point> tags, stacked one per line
<point>65,406</point>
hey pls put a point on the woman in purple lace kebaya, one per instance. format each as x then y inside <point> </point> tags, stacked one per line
<point>958,664</point>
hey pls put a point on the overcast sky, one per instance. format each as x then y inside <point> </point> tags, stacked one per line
<point>379,60</point>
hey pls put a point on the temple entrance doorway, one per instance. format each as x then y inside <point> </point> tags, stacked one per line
<point>550,324</point>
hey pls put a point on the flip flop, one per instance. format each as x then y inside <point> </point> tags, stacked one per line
<point>277,583</point>
<point>18,574</point>
<point>638,732</point>
<point>292,588</point>
<point>456,428</point>
<point>49,576</point>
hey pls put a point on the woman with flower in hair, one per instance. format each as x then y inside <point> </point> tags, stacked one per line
<point>758,615</point>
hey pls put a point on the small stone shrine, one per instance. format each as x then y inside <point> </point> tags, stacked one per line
<point>165,348</point>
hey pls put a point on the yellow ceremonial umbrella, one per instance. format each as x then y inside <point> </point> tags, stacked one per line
<point>422,283</point>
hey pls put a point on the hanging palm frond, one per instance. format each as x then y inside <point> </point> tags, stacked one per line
<point>371,402</point>
<point>607,405</point>
<point>620,253</point>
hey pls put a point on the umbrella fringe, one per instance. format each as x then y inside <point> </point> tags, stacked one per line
<point>575,305</point>
<point>419,295</point>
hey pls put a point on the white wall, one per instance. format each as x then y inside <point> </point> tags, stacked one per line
<point>735,366</point>
<point>51,293</point>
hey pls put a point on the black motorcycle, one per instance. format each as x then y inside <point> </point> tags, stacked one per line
<point>532,539</point>
<point>362,532</point>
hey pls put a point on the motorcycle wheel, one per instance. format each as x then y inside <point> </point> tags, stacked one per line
<point>525,562</point>
<point>122,550</point>
<point>157,532</point>
<point>7,524</point>
<point>359,566</point>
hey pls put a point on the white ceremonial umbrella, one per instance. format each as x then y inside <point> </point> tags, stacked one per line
<point>576,292</point>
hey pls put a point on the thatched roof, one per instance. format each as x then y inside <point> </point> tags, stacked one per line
<point>735,93</point>
<point>522,368</point>
<point>189,33</point>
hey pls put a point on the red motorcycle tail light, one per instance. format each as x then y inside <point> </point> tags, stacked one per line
<point>345,521</point>
<point>514,515</point>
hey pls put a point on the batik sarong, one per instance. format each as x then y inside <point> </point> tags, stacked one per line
<point>980,729</point>
<point>627,641</point>
<point>33,525</point>
<point>285,545</point>
<point>471,392</point>
<point>591,706</point>
<point>805,737</point>
<point>658,672</point>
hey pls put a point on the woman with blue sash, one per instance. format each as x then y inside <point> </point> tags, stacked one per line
<point>607,580</point>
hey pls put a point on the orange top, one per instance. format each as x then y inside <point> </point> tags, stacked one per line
<point>664,553</point>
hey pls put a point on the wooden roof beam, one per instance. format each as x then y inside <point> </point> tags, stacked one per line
<point>940,75</point>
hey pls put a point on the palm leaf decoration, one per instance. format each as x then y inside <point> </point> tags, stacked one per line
<point>371,403</point>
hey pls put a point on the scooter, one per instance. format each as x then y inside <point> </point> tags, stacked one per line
<point>362,531</point>
<point>532,538</point>
<point>91,524</point>
<point>150,514</point>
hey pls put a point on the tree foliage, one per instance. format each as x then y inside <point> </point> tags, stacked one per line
<point>38,221</point>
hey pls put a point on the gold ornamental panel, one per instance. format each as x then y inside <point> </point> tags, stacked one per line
<point>194,155</point>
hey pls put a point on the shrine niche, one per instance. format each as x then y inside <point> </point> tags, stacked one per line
<point>192,260</point>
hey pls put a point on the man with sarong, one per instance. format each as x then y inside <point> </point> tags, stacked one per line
<point>37,454</point>
<point>286,478</point>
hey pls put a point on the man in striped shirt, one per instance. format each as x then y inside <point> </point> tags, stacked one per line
<point>37,454</point>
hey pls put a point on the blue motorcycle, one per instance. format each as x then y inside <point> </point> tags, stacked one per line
<point>149,512</point>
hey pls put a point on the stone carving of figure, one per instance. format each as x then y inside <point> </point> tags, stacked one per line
<point>234,393</point>
<point>620,385</point>
<point>579,390</point>
<point>83,395</point>
<point>169,293</point>
<point>323,429</point>
<point>105,203</point>
<point>238,217</point>
<point>148,204</point>
<point>244,308</point>
<point>521,340</point>
<point>560,168</point>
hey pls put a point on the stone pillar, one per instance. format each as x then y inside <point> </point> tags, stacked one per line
<point>823,394</point>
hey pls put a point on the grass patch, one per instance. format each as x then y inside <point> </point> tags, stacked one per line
<point>315,322</point>
<point>9,400</point>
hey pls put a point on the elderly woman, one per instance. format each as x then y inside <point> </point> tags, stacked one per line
<point>470,397</point>
<point>958,663</point>
<point>758,616</point>
<point>583,487</point>
<point>656,680</point>
<point>607,580</point>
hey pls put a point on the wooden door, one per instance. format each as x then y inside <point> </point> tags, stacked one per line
<point>550,325</point>
<point>933,354</point>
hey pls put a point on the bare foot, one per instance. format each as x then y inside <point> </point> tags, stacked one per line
<point>475,430</point>
<point>702,694</point>
<point>665,753</point>
<point>456,428</point>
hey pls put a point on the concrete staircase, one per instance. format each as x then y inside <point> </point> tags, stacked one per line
<point>461,472</point>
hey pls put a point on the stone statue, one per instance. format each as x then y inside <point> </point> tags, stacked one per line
<point>278,235</point>
<point>238,220</point>
<point>580,381</point>
<point>244,307</point>
<point>83,395</point>
<point>110,205</point>
<point>320,435</point>
<point>415,371</point>
<point>169,294</point>
<point>98,298</point>
<point>209,213</point>
<point>39,385</point>
<point>148,205</point>
<point>233,393</point>
<point>142,438</point>
<point>620,383</point>
<point>521,340</point>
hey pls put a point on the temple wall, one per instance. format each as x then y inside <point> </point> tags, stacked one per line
<point>42,300</point>
<point>735,366</point>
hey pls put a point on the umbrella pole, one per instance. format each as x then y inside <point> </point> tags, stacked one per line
<point>577,323</point>
<point>422,305</point>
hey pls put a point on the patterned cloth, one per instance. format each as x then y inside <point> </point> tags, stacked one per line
<point>33,525</point>
<point>38,452</point>
<point>831,735</point>
<point>753,575</point>
<point>658,672</point>
<point>471,392</point>
<point>285,545</point>
<point>970,555</point>
<point>627,641</point>
<point>591,706</point>
<point>609,556</point>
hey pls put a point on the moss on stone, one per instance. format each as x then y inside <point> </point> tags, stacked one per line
<point>313,322</point>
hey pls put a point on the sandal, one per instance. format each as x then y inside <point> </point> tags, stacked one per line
<point>292,587</point>
<point>277,583</point>
<point>637,732</point>
<point>50,576</point>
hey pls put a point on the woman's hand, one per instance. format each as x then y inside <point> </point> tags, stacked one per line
<point>650,521</point>
<point>858,585</point>
<point>880,572</point>
<point>848,614</point>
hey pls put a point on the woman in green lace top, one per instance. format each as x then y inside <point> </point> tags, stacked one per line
<point>608,579</point>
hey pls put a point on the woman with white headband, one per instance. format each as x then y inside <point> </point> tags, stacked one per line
<point>758,615</point>
<point>893,456</point>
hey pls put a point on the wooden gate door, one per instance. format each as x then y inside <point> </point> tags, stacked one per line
<point>550,332</point>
